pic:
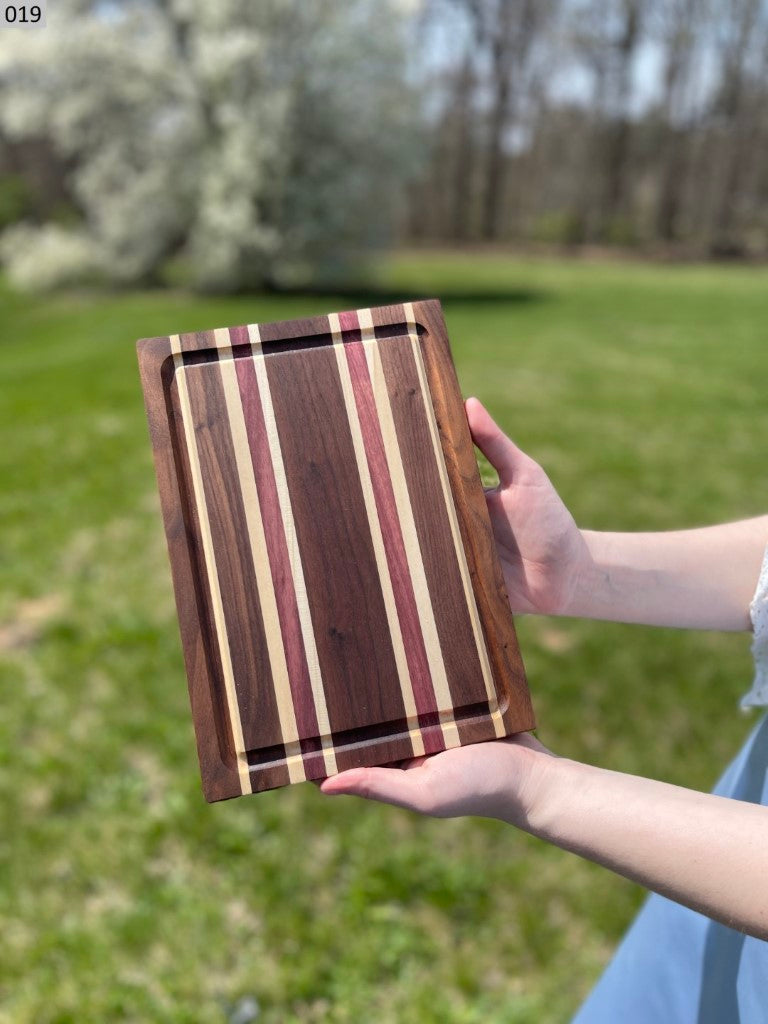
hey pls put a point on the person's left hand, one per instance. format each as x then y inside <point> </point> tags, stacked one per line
<point>542,551</point>
<point>500,779</point>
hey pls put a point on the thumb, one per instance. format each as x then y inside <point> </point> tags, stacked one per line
<point>505,457</point>
<point>389,785</point>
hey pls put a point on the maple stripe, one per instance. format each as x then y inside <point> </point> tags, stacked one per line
<point>249,651</point>
<point>261,567</point>
<point>311,715</point>
<point>430,515</point>
<point>295,565</point>
<point>493,704</point>
<point>210,568</point>
<point>373,444</point>
<point>394,504</point>
<point>412,710</point>
<point>354,643</point>
<point>405,512</point>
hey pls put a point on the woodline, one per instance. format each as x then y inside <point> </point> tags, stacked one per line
<point>413,553</point>
<point>243,769</point>
<point>318,488</point>
<point>262,571</point>
<point>393,620</point>
<point>496,716</point>
<point>294,554</point>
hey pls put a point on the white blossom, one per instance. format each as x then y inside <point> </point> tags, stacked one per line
<point>245,138</point>
<point>48,256</point>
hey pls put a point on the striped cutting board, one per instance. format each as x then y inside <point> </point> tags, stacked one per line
<point>338,590</point>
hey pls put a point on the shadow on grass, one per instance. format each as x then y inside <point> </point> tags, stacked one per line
<point>363,296</point>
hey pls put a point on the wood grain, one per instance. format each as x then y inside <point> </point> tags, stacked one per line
<point>339,595</point>
<point>443,576</point>
<point>475,525</point>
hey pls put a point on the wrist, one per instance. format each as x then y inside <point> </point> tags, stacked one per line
<point>531,786</point>
<point>551,795</point>
<point>587,578</point>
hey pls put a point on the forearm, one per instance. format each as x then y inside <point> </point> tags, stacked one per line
<point>696,579</point>
<point>707,852</point>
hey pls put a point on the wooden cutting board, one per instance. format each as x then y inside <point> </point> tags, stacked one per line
<point>338,590</point>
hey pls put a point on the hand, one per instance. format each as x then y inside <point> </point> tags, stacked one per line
<point>542,553</point>
<point>501,779</point>
<point>541,549</point>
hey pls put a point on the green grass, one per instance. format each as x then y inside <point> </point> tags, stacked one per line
<point>124,897</point>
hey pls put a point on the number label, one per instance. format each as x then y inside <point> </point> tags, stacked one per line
<point>21,15</point>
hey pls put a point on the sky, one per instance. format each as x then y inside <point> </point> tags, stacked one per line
<point>571,81</point>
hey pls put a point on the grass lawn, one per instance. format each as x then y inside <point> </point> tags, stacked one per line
<point>124,897</point>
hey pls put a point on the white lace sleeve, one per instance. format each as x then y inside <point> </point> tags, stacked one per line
<point>758,612</point>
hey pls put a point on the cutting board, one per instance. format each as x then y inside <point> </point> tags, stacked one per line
<point>339,595</point>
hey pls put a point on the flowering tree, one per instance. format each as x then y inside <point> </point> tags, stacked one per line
<point>249,140</point>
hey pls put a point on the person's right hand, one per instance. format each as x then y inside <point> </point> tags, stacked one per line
<point>541,549</point>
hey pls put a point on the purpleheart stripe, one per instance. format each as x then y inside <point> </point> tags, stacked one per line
<point>279,562</point>
<point>392,536</point>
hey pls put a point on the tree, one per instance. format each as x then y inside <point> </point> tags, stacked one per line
<point>609,36</point>
<point>510,31</point>
<point>739,102</point>
<point>486,97</point>
<point>251,141</point>
<point>681,27</point>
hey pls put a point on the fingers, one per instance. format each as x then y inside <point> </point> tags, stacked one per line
<point>389,785</point>
<point>505,457</point>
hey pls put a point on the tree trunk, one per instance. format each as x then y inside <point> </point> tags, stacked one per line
<point>671,188</point>
<point>619,129</point>
<point>497,122</point>
<point>464,153</point>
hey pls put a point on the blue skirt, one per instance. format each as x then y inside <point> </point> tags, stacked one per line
<point>675,966</point>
